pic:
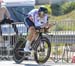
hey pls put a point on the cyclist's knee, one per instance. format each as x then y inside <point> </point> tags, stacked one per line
<point>32,29</point>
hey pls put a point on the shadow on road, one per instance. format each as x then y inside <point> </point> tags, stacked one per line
<point>32,65</point>
<point>35,65</point>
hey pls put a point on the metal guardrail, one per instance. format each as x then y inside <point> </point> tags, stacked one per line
<point>62,42</point>
<point>8,39</point>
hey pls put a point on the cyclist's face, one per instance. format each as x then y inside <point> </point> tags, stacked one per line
<point>41,14</point>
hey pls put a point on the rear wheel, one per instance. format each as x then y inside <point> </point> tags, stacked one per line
<point>17,55</point>
<point>42,52</point>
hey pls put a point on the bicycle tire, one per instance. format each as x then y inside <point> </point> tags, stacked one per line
<point>48,53</point>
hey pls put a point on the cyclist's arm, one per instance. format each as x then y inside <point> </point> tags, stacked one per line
<point>31,14</point>
<point>46,22</point>
<point>48,25</point>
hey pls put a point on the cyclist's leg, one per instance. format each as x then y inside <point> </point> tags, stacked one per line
<point>31,32</point>
<point>35,35</point>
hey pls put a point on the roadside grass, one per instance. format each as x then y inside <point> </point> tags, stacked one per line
<point>68,16</point>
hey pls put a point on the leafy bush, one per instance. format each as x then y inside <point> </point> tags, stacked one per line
<point>59,27</point>
<point>56,10</point>
<point>61,9</point>
<point>67,7</point>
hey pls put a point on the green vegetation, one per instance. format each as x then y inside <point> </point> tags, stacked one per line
<point>56,9</point>
<point>61,9</point>
<point>70,15</point>
<point>68,7</point>
<point>63,14</point>
<point>64,21</point>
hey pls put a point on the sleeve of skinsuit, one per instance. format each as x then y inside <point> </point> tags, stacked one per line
<point>31,13</point>
<point>37,23</point>
<point>46,18</point>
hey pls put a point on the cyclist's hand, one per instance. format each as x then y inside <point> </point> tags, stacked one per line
<point>46,25</point>
<point>50,25</point>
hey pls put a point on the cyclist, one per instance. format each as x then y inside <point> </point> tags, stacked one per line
<point>35,18</point>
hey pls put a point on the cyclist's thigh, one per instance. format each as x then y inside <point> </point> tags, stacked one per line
<point>32,29</point>
<point>29,23</point>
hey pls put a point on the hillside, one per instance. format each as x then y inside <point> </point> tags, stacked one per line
<point>70,15</point>
<point>64,22</point>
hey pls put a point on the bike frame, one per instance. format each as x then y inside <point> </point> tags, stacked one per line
<point>36,43</point>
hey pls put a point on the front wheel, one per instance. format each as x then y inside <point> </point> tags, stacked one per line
<point>42,53</point>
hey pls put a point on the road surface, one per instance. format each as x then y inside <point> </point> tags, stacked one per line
<point>33,63</point>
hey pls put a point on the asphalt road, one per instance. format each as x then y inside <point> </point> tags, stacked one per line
<point>33,63</point>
